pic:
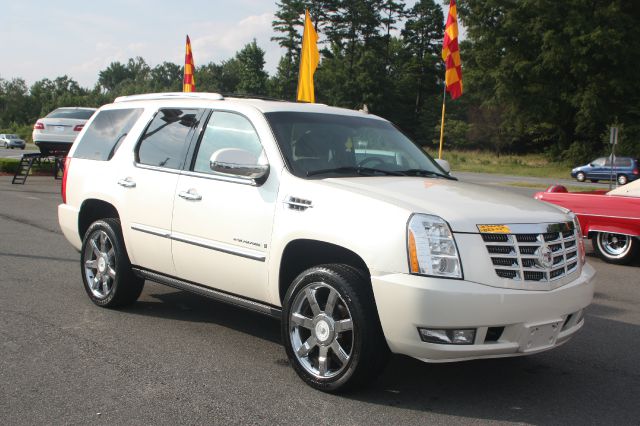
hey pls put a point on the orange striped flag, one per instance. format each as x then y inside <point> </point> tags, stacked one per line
<point>189,83</point>
<point>451,53</point>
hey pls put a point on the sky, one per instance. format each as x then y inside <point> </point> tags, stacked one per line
<point>47,39</point>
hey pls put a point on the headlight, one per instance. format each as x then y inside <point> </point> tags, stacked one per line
<point>432,249</point>
<point>579,237</point>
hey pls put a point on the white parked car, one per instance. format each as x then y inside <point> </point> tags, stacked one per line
<point>55,133</point>
<point>10,141</point>
<point>276,207</point>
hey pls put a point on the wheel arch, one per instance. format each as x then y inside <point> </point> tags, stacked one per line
<point>301,254</point>
<point>94,209</point>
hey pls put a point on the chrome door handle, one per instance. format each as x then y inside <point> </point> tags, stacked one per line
<point>190,195</point>
<point>127,183</point>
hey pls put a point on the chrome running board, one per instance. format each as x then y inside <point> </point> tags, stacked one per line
<point>218,295</point>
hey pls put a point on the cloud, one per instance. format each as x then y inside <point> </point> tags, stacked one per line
<point>223,40</point>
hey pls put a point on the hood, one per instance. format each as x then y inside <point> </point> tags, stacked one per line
<point>462,205</point>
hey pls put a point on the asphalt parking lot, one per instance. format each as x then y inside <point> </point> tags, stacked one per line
<point>176,358</point>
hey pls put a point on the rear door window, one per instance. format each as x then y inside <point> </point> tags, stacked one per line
<point>166,140</point>
<point>106,133</point>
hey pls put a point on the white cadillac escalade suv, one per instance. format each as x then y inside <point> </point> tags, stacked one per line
<point>327,218</point>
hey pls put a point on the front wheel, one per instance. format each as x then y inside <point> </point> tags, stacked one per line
<point>615,248</point>
<point>106,271</point>
<point>580,177</point>
<point>331,330</point>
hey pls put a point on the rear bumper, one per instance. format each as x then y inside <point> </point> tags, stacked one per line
<point>408,302</point>
<point>68,220</point>
<point>54,148</point>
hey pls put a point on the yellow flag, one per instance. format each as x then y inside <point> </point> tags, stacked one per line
<point>309,59</point>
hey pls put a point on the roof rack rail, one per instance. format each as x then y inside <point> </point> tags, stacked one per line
<point>250,96</point>
<point>171,95</point>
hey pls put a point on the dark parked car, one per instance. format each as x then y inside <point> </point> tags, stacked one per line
<point>625,169</point>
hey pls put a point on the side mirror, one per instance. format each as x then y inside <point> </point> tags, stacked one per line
<point>444,164</point>
<point>238,162</point>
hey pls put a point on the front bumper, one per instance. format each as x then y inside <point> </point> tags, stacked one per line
<point>406,302</point>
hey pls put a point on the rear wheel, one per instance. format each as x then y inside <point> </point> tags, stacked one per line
<point>106,271</point>
<point>615,248</point>
<point>622,180</point>
<point>580,177</point>
<point>331,329</point>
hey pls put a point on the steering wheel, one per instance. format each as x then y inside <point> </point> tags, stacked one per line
<point>374,162</point>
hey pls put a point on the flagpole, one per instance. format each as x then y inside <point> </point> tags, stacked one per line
<point>444,97</point>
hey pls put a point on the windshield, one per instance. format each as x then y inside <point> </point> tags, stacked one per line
<point>322,145</point>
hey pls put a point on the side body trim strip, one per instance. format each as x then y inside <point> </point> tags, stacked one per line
<point>200,242</point>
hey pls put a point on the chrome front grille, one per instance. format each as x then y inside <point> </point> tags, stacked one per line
<point>548,253</point>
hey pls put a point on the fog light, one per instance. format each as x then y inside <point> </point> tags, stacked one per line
<point>448,336</point>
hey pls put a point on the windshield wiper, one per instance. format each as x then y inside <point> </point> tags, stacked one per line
<point>422,172</point>
<point>363,171</point>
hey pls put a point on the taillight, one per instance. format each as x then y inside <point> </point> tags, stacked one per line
<point>38,126</point>
<point>65,173</point>
<point>78,127</point>
<point>635,171</point>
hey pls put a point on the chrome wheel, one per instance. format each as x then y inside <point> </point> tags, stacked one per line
<point>580,177</point>
<point>622,180</point>
<point>614,245</point>
<point>99,265</point>
<point>321,330</point>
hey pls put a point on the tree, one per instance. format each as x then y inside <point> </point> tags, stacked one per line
<point>253,78</point>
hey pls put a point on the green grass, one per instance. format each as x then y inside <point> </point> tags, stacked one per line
<point>10,165</point>
<point>535,165</point>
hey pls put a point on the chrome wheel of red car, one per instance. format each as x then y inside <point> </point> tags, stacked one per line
<point>615,248</point>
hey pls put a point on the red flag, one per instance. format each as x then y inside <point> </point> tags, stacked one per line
<point>189,83</point>
<point>451,53</point>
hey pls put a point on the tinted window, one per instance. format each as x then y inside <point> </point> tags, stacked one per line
<point>313,142</point>
<point>226,130</point>
<point>165,142</point>
<point>106,132</point>
<point>78,114</point>
<point>622,162</point>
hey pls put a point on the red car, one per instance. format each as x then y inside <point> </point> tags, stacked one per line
<point>611,219</point>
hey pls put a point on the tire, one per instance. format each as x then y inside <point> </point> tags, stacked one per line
<point>622,179</point>
<point>580,177</point>
<point>346,333</point>
<point>619,249</point>
<point>6,145</point>
<point>594,180</point>
<point>105,267</point>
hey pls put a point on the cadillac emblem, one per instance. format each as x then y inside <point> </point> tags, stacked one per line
<point>545,256</point>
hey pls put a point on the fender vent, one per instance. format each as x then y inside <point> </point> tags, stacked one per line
<point>298,204</point>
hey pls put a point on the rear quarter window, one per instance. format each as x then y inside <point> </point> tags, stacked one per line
<point>106,132</point>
